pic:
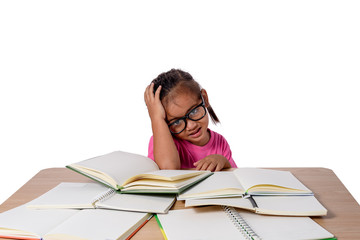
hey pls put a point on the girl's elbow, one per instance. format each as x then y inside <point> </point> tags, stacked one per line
<point>169,166</point>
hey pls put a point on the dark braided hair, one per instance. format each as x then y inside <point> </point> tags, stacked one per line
<point>177,81</point>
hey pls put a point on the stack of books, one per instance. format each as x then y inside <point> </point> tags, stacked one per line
<point>129,189</point>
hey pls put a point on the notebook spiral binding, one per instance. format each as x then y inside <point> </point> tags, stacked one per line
<point>106,195</point>
<point>240,224</point>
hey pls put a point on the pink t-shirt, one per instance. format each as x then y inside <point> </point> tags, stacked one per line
<point>190,153</point>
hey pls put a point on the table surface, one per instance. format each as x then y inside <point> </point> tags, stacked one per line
<point>342,220</point>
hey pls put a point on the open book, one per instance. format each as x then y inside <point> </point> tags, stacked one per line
<point>269,205</point>
<point>247,181</point>
<point>227,223</point>
<point>66,224</point>
<point>133,173</point>
<point>94,195</point>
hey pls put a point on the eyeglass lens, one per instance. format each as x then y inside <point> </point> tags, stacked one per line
<point>179,125</point>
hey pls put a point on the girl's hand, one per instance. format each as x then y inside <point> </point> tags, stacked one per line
<point>155,108</point>
<point>212,163</point>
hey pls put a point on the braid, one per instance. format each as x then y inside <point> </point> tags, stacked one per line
<point>213,115</point>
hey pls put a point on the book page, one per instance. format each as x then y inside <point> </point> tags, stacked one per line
<point>180,178</point>
<point>120,165</point>
<point>210,223</point>
<point>250,177</point>
<point>94,224</point>
<point>37,222</point>
<point>284,228</point>
<point>290,205</point>
<point>70,195</point>
<point>166,175</point>
<point>238,202</point>
<point>84,195</point>
<point>139,202</point>
<point>217,184</point>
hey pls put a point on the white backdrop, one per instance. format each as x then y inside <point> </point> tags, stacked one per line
<point>283,77</point>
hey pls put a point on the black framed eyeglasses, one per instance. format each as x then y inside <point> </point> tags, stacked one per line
<point>178,125</point>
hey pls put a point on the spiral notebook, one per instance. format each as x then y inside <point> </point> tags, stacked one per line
<point>94,195</point>
<point>269,205</point>
<point>247,181</point>
<point>69,224</point>
<point>229,223</point>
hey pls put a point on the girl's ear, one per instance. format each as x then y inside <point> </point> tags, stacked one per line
<point>205,97</point>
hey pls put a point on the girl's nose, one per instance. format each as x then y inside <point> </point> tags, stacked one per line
<point>190,124</point>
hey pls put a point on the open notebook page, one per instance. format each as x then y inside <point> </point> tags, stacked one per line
<point>290,205</point>
<point>272,205</point>
<point>218,223</point>
<point>120,165</point>
<point>284,228</point>
<point>210,223</point>
<point>212,186</point>
<point>37,222</point>
<point>70,195</point>
<point>238,202</point>
<point>84,195</point>
<point>94,224</point>
<point>139,202</point>
<point>249,177</point>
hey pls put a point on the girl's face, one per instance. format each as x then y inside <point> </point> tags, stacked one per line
<point>180,105</point>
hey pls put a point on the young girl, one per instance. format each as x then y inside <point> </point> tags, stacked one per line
<point>179,111</point>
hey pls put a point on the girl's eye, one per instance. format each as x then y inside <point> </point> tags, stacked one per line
<point>194,112</point>
<point>176,122</point>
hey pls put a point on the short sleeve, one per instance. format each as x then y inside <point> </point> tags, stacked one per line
<point>224,147</point>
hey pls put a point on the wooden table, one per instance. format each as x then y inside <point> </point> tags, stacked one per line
<point>342,220</point>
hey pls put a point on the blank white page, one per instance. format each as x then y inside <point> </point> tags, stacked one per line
<point>217,181</point>
<point>35,221</point>
<point>208,223</point>
<point>120,165</point>
<point>254,176</point>
<point>95,224</point>
<point>139,202</point>
<point>290,205</point>
<point>70,195</point>
<point>284,228</point>
<point>238,202</point>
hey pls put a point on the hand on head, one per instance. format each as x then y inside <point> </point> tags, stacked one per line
<point>155,108</point>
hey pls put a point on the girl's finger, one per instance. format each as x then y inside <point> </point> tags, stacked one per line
<point>205,166</point>
<point>218,167</point>
<point>151,91</point>
<point>146,93</point>
<point>212,167</point>
<point>157,93</point>
<point>199,164</point>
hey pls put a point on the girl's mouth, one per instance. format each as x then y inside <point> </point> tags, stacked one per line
<point>196,134</point>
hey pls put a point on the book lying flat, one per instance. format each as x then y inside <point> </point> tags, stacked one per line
<point>243,181</point>
<point>133,173</point>
<point>95,195</point>
<point>269,205</point>
<point>227,223</point>
<point>69,224</point>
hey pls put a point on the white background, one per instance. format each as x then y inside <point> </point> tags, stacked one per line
<point>283,77</point>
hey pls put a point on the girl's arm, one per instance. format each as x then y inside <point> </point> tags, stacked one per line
<point>166,155</point>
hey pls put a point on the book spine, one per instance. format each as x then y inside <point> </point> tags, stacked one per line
<point>106,195</point>
<point>240,224</point>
